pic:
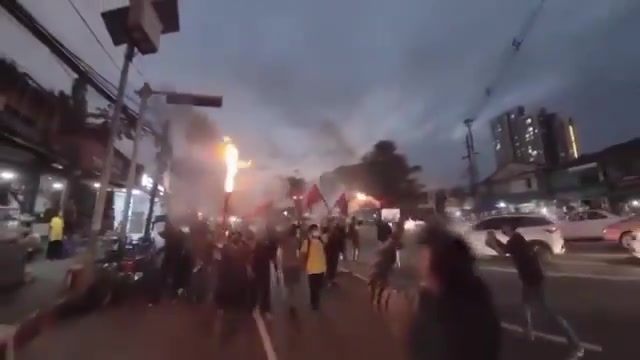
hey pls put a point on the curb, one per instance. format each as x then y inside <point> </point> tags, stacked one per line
<point>14,337</point>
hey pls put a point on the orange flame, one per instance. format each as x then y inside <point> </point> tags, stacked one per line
<point>231,155</point>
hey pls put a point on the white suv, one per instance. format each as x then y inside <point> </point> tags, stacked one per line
<point>541,232</point>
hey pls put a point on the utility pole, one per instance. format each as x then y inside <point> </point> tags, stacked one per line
<point>165,152</point>
<point>145,93</point>
<point>472,169</point>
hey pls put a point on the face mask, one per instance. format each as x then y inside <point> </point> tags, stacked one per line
<point>315,233</point>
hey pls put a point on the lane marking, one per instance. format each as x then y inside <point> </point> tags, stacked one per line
<point>519,329</point>
<point>569,275</point>
<point>550,337</point>
<point>267,344</point>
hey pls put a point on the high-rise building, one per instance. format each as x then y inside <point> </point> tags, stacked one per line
<point>503,135</point>
<point>543,138</point>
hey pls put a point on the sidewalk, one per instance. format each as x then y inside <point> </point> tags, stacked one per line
<point>42,292</point>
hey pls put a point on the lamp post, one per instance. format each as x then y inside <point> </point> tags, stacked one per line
<point>139,27</point>
<point>173,98</point>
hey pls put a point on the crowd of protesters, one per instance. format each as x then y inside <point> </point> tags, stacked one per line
<point>455,317</point>
<point>247,259</point>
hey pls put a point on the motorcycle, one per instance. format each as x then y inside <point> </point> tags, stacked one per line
<point>128,269</point>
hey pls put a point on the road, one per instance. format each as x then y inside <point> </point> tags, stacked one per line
<point>600,300</point>
<point>596,288</point>
<point>345,328</point>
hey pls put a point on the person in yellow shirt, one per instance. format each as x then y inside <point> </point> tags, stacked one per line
<point>315,263</point>
<point>56,231</point>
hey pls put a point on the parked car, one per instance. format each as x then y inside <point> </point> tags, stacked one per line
<point>587,224</point>
<point>622,231</point>
<point>540,231</point>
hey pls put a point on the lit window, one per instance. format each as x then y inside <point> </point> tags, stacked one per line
<point>528,121</point>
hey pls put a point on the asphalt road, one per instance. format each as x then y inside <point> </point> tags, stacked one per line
<point>596,289</point>
<point>600,300</point>
<point>345,328</point>
<point>604,313</point>
<point>169,331</point>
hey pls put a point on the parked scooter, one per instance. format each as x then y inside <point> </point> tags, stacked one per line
<point>129,267</point>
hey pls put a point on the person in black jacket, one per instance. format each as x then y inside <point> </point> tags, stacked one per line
<point>336,242</point>
<point>383,230</point>
<point>531,275</point>
<point>456,318</point>
<point>264,255</point>
<point>176,265</point>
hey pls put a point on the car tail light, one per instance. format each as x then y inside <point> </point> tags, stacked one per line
<point>551,230</point>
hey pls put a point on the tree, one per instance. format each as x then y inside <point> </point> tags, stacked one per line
<point>388,175</point>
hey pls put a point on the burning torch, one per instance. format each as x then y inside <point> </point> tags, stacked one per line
<point>231,155</point>
<point>231,158</point>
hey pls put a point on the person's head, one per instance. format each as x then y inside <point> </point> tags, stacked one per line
<point>508,229</point>
<point>444,261</point>
<point>314,230</point>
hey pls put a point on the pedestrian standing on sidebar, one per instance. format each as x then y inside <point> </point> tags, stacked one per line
<point>531,275</point>
<point>55,248</point>
<point>315,264</point>
<point>456,318</point>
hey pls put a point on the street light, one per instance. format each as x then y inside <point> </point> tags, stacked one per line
<point>139,26</point>
<point>173,98</point>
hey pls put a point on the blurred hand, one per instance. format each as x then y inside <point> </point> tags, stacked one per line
<point>490,241</point>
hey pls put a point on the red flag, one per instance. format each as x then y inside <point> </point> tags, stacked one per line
<point>313,197</point>
<point>261,210</point>
<point>342,204</point>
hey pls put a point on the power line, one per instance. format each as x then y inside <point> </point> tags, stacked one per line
<point>515,46</point>
<point>97,39</point>
<point>77,65</point>
<point>58,61</point>
<point>489,91</point>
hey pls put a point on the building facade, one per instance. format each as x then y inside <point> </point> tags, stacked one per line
<point>46,162</point>
<point>543,138</point>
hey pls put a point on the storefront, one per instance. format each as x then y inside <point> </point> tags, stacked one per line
<point>140,199</point>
